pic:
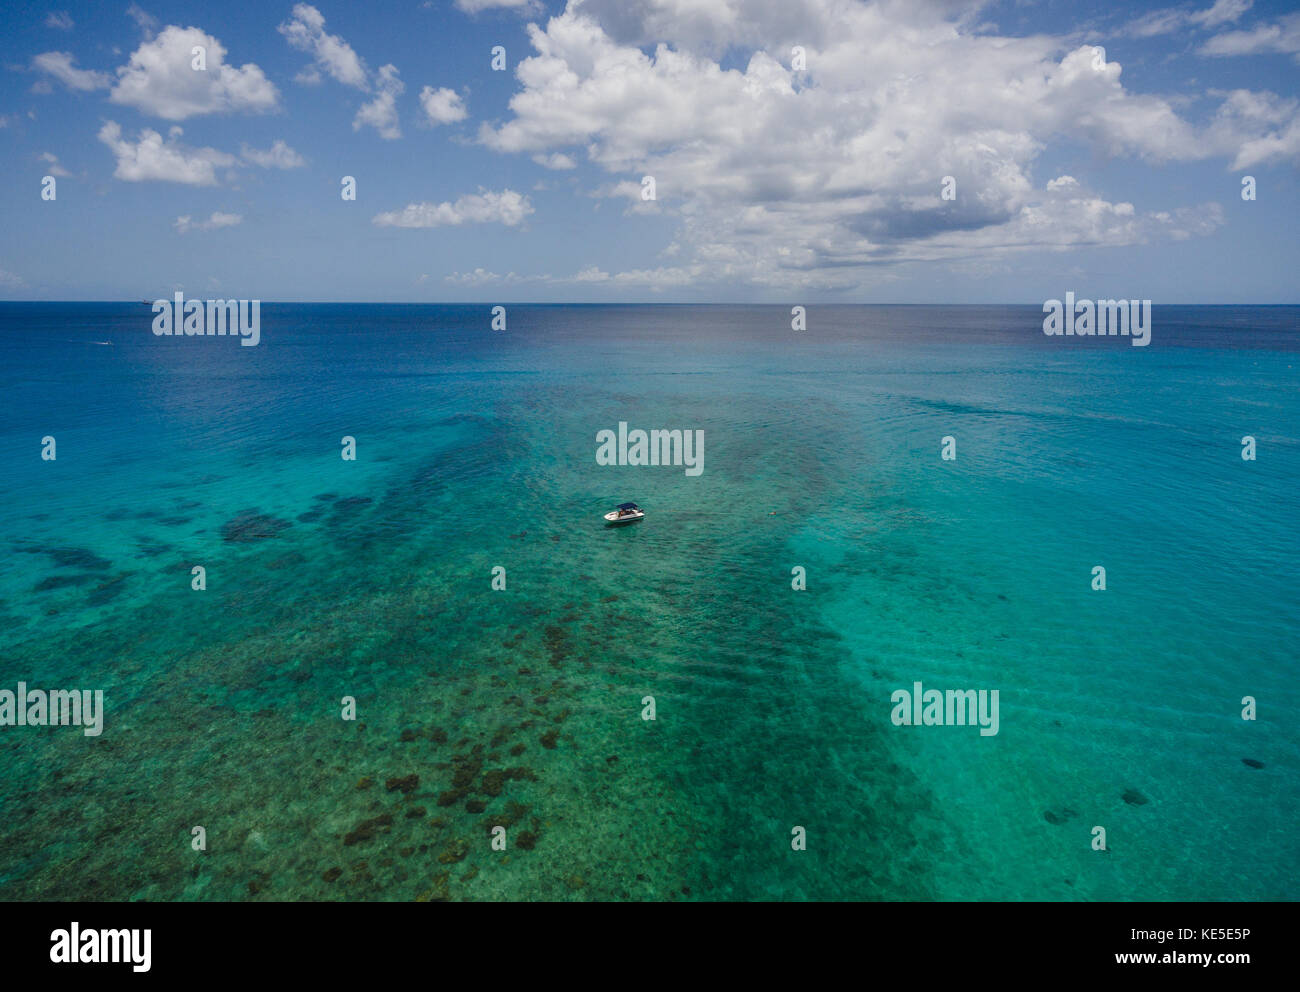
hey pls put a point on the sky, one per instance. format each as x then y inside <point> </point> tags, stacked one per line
<point>798,151</point>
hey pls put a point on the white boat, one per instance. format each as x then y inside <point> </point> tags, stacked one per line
<point>626,513</point>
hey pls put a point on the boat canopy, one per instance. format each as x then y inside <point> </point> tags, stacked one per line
<point>628,506</point>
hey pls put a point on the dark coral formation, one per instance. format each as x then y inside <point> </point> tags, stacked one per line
<point>493,782</point>
<point>466,769</point>
<point>62,582</point>
<point>252,526</point>
<point>514,813</point>
<point>107,590</point>
<point>454,851</point>
<point>404,784</point>
<point>556,641</point>
<point>368,829</point>
<point>350,503</point>
<point>73,558</point>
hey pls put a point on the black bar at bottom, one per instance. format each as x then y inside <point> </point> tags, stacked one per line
<point>1167,942</point>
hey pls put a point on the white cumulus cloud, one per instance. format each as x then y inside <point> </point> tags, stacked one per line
<point>478,6</point>
<point>160,79</point>
<point>479,277</point>
<point>334,57</point>
<point>556,160</point>
<point>1282,36</point>
<point>813,178</point>
<point>152,157</point>
<point>144,20</point>
<point>62,66</point>
<point>1222,12</point>
<point>381,112</point>
<point>442,106</point>
<point>1167,20</point>
<point>52,166</point>
<point>507,207</point>
<point>305,31</point>
<point>278,156</point>
<point>218,219</point>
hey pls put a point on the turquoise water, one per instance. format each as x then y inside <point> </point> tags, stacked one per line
<point>523,708</point>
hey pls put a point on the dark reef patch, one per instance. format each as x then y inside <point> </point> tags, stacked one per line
<point>251,526</point>
<point>556,642</point>
<point>73,558</point>
<point>351,503</point>
<point>514,813</point>
<point>107,590</point>
<point>466,770</point>
<point>454,851</point>
<point>405,784</point>
<point>290,560</point>
<point>367,829</point>
<point>62,582</point>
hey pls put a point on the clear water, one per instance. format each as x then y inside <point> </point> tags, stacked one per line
<point>523,708</point>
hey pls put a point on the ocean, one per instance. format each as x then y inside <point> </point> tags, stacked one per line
<point>774,767</point>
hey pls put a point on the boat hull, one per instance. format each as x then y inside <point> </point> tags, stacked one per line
<point>612,519</point>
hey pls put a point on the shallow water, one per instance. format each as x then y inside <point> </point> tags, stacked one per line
<point>523,708</point>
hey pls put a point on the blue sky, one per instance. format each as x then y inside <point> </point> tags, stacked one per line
<point>779,176</point>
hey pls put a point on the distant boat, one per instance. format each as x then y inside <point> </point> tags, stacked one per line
<point>627,513</point>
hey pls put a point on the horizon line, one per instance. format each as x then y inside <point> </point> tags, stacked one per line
<point>640,303</point>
